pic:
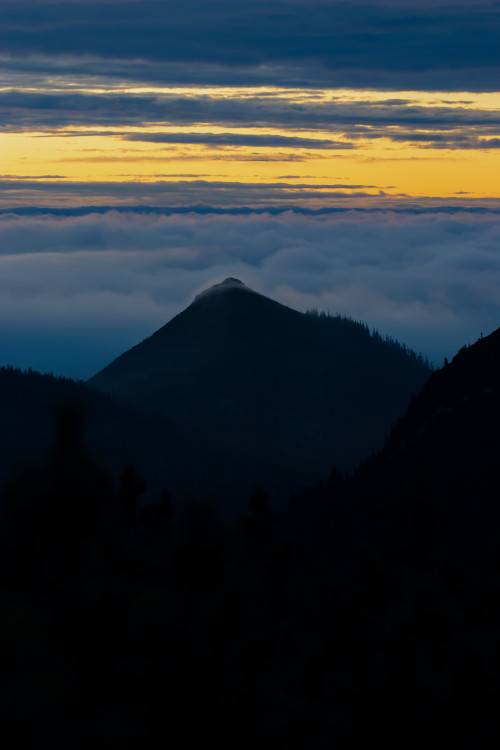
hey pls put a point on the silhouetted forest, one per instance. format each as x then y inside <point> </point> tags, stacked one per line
<point>366,614</point>
<point>111,430</point>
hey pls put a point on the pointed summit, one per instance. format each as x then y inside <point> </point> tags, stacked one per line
<point>223,286</point>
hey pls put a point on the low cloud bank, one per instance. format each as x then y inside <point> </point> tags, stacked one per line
<point>75,291</point>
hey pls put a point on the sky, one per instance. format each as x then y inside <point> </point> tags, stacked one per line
<point>342,155</point>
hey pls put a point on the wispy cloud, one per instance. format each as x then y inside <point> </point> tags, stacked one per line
<point>176,192</point>
<point>267,140</point>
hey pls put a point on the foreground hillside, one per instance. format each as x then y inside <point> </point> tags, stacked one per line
<point>364,616</point>
<point>273,396</point>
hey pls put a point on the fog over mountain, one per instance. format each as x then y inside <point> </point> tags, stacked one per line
<point>78,290</point>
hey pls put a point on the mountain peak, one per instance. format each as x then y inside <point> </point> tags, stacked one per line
<point>223,286</point>
<point>263,393</point>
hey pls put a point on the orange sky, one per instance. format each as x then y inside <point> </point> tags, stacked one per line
<point>365,158</point>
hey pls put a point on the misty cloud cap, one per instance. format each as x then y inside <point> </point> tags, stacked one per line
<point>223,286</point>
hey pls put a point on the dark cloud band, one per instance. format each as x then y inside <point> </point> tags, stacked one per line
<point>338,43</point>
<point>239,139</point>
<point>398,120</point>
<point>177,192</point>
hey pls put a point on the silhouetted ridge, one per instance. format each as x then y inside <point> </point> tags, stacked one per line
<point>465,392</point>
<point>434,486</point>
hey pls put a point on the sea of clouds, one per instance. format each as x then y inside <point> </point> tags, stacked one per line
<point>76,291</point>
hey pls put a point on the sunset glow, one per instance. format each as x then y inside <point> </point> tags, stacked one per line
<point>408,145</point>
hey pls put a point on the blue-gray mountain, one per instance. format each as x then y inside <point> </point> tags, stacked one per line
<point>267,394</point>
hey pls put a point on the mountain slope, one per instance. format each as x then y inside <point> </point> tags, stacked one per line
<point>432,492</point>
<point>446,449</point>
<point>31,407</point>
<point>272,395</point>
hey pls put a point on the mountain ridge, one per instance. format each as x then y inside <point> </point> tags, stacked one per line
<point>434,485</point>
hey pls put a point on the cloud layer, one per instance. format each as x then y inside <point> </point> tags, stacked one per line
<point>75,291</point>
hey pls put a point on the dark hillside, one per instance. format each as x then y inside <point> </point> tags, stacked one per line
<point>435,484</point>
<point>353,620</point>
<point>410,549</point>
<point>447,448</point>
<point>30,407</point>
